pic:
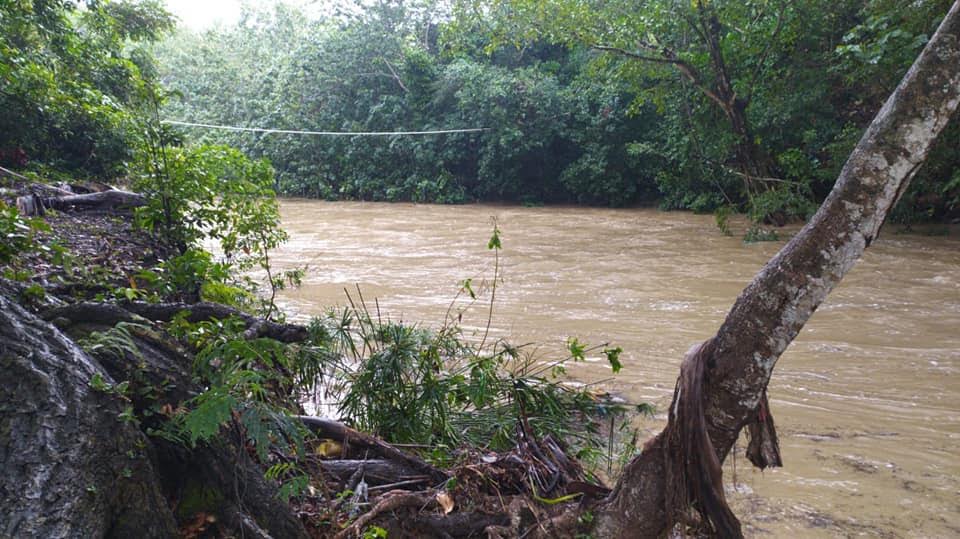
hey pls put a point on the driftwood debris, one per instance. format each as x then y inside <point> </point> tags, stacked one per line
<point>376,471</point>
<point>110,200</point>
<point>334,430</point>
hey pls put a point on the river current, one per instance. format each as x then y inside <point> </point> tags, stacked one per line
<point>867,399</point>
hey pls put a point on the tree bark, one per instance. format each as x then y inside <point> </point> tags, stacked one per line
<point>71,467</point>
<point>781,298</point>
<point>104,200</point>
<point>74,468</point>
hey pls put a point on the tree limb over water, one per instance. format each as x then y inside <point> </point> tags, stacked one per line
<point>770,312</point>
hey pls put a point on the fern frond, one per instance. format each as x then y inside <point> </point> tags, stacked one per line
<point>116,342</point>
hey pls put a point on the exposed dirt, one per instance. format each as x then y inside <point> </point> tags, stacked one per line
<point>83,254</point>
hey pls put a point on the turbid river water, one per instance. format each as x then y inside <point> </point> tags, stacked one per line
<point>867,399</point>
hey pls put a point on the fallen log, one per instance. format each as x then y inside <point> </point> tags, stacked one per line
<point>111,200</point>
<point>375,471</point>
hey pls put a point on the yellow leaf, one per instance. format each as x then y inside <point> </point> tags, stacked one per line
<point>446,501</point>
<point>328,448</point>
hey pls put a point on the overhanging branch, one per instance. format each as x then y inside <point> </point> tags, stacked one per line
<point>668,56</point>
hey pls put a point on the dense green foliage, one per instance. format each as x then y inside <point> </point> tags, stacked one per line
<point>568,122</point>
<point>554,135</point>
<point>70,80</point>
<point>585,103</point>
<point>412,385</point>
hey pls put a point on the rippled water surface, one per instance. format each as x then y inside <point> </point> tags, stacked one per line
<point>867,399</point>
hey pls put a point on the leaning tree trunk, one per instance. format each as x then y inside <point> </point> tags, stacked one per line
<point>729,373</point>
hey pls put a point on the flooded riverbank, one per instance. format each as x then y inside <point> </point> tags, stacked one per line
<point>867,399</point>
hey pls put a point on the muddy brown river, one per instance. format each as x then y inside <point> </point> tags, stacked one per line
<point>867,399</point>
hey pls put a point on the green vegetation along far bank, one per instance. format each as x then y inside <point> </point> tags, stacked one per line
<point>737,107</point>
<point>734,106</point>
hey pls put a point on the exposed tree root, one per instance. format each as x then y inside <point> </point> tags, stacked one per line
<point>197,312</point>
<point>110,314</point>
<point>388,502</point>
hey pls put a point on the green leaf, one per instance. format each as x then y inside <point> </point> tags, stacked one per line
<point>576,348</point>
<point>468,286</point>
<point>613,357</point>
<point>97,383</point>
<point>494,242</point>
<point>204,421</point>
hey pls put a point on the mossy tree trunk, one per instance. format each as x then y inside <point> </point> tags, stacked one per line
<point>75,465</point>
<point>71,467</point>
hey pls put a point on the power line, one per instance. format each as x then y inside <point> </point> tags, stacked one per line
<point>327,133</point>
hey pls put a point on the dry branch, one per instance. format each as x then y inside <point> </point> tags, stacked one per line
<point>388,502</point>
<point>327,428</point>
<point>375,471</point>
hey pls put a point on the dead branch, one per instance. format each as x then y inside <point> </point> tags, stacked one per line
<point>388,502</point>
<point>327,428</point>
<point>380,472</point>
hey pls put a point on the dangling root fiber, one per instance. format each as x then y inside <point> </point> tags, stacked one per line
<point>694,473</point>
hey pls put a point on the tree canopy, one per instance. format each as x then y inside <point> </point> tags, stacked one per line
<point>746,106</point>
<point>71,77</point>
